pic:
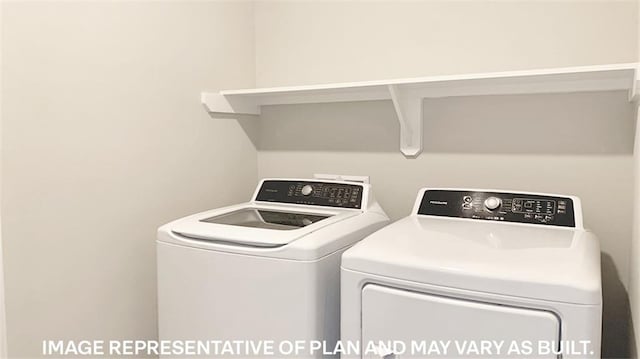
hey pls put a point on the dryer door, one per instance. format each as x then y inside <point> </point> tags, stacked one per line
<point>424,322</point>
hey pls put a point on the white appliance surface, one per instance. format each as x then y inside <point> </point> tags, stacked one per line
<point>214,295</point>
<point>526,261</point>
<point>265,270</point>
<point>412,316</point>
<point>474,265</point>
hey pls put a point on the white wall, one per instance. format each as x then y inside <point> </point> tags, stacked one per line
<point>345,41</point>
<point>104,138</point>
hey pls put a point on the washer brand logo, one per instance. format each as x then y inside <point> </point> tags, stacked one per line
<point>439,202</point>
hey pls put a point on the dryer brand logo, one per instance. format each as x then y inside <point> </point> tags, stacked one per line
<point>440,203</point>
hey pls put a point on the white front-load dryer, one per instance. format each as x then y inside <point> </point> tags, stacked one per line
<point>476,273</point>
<point>262,273</point>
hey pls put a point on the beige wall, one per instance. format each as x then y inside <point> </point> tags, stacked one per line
<point>104,139</point>
<point>634,273</point>
<point>308,42</point>
<point>518,142</point>
<point>3,322</point>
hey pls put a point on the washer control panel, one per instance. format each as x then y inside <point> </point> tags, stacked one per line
<point>499,206</point>
<point>313,193</point>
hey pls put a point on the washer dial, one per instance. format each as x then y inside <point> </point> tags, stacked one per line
<point>306,190</point>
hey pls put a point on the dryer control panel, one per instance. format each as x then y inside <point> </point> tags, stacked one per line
<point>499,206</point>
<point>313,193</point>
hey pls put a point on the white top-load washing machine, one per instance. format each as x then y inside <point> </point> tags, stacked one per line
<point>265,271</point>
<point>494,274</point>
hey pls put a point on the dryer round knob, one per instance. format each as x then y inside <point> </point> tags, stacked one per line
<point>306,190</point>
<point>492,203</point>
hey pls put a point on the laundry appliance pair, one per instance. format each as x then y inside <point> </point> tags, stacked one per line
<point>467,265</point>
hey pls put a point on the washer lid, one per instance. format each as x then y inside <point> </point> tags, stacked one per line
<point>266,218</point>
<point>259,225</point>
<point>549,263</point>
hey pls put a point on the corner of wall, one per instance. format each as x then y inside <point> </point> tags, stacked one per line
<point>634,298</point>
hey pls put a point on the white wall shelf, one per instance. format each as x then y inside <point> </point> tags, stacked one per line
<point>407,94</point>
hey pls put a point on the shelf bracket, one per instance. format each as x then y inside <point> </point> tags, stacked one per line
<point>409,111</point>
<point>217,103</point>
<point>634,90</point>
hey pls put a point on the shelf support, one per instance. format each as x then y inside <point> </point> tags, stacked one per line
<point>634,95</point>
<point>217,103</point>
<point>409,111</point>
